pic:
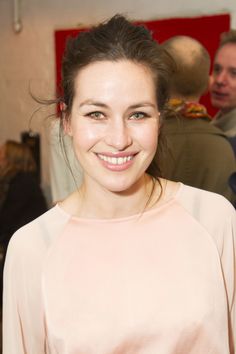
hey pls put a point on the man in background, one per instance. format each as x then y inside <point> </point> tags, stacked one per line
<point>223,84</point>
<point>197,153</point>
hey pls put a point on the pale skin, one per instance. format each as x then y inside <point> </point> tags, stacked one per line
<point>114,126</point>
<point>223,79</point>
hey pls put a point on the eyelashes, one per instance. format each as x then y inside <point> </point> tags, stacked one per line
<point>97,115</point>
<point>139,115</point>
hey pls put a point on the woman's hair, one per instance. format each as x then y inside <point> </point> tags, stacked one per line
<point>117,39</point>
<point>18,158</point>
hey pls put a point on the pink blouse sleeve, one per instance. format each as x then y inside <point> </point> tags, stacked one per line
<point>228,259</point>
<point>22,309</point>
<point>12,334</point>
<point>218,217</point>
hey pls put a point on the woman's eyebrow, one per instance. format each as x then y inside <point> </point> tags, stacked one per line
<point>92,103</point>
<point>103,105</point>
<point>142,104</point>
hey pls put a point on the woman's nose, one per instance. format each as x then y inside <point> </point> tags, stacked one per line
<point>118,135</point>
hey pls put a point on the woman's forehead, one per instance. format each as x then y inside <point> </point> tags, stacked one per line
<point>109,78</point>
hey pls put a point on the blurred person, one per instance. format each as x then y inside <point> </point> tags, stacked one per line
<point>21,198</point>
<point>232,183</point>
<point>198,154</point>
<point>129,262</point>
<point>223,84</point>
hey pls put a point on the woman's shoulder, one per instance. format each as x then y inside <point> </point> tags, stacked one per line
<point>194,198</point>
<point>39,233</point>
<point>211,210</point>
<point>200,199</point>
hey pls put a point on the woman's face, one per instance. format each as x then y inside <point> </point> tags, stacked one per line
<point>114,123</point>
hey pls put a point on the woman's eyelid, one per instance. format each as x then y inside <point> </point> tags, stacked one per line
<point>96,114</point>
<point>142,114</point>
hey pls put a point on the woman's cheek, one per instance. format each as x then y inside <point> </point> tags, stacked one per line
<point>148,136</point>
<point>87,135</point>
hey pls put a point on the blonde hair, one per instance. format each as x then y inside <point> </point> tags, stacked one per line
<point>18,158</point>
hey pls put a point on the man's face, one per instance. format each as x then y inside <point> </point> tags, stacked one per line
<point>223,79</point>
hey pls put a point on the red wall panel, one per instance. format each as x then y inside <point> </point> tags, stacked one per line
<point>206,29</point>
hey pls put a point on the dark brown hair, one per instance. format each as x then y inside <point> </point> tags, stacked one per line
<point>115,40</point>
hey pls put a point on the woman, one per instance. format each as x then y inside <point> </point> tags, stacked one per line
<point>129,263</point>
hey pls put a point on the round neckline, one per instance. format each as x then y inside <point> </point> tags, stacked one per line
<point>125,218</point>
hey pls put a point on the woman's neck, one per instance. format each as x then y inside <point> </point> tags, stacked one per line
<point>89,202</point>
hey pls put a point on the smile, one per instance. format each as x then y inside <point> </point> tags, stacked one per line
<point>116,160</point>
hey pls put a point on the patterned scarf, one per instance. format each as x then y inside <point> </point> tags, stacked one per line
<point>187,109</point>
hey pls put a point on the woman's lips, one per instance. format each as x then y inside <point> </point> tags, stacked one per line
<point>116,162</point>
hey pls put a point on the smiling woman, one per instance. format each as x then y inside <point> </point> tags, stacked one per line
<point>110,134</point>
<point>130,262</point>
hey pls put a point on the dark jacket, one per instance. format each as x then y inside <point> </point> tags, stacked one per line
<point>197,154</point>
<point>24,201</point>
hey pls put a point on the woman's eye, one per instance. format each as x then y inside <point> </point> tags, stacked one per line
<point>138,115</point>
<point>95,115</point>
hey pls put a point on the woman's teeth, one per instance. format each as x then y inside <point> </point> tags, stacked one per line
<point>115,160</point>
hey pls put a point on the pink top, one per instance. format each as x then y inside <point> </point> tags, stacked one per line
<point>163,282</point>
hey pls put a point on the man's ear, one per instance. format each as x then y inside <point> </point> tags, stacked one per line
<point>210,82</point>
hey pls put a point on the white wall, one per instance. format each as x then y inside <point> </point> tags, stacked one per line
<point>27,59</point>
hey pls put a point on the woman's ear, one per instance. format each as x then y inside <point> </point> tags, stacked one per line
<point>62,106</point>
<point>67,125</point>
<point>65,119</point>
